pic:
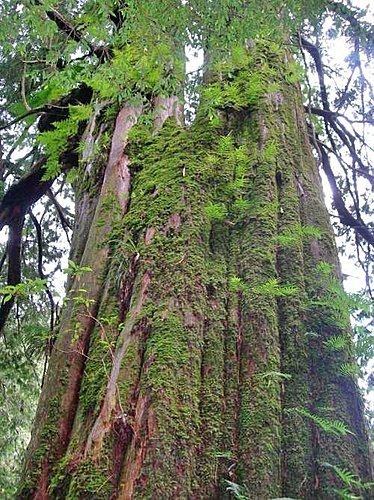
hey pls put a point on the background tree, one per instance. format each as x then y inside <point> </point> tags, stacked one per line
<point>205,334</point>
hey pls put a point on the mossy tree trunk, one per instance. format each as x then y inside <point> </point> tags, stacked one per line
<point>179,361</point>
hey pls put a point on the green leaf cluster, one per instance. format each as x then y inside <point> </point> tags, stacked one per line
<point>74,269</point>
<point>56,141</point>
<point>22,290</point>
<point>136,71</point>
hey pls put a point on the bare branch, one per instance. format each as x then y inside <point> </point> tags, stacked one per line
<point>14,265</point>
<point>75,33</point>
<point>39,238</point>
<point>23,88</point>
<point>23,194</point>
<point>61,214</point>
<point>34,111</point>
<point>345,215</point>
<point>335,114</point>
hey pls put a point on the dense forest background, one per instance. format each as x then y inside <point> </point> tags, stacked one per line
<point>68,71</point>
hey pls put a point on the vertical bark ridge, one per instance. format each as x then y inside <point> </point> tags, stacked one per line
<point>232,348</point>
<point>61,394</point>
<point>296,438</point>
<point>87,188</point>
<point>175,258</point>
<point>259,420</point>
<point>212,366</point>
<point>170,342</point>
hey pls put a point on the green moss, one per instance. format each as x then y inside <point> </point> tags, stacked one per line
<point>129,372</point>
<point>96,375</point>
<point>45,450</point>
<point>260,396</point>
<point>84,479</point>
<point>296,435</point>
<point>336,395</point>
<point>173,172</point>
<point>92,481</point>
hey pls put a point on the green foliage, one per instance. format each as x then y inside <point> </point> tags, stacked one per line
<point>336,343</point>
<point>296,234</point>
<point>347,477</point>
<point>239,492</point>
<point>236,284</point>
<point>270,288</point>
<point>364,343</point>
<point>215,211</point>
<point>236,160</point>
<point>74,269</point>
<point>346,494</point>
<point>349,370</point>
<point>135,71</point>
<point>332,298</point>
<point>237,88</point>
<point>324,268</point>
<point>271,376</point>
<point>22,345</point>
<point>350,481</point>
<point>80,298</point>
<point>23,290</point>
<point>294,73</point>
<point>57,140</point>
<point>270,151</point>
<point>331,426</point>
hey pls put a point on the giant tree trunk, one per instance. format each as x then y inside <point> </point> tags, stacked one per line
<point>176,364</point>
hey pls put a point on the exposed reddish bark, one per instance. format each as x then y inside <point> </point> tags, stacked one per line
<point>104,420</point>
<point>42,488</point>
<point>144,427</point>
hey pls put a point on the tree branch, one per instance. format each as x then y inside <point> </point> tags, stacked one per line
<point>335,114</point>
<point>60,210</point>
<point>14,265</point>
<point>19,198</point>
<point>345,215</point>
<point>75,33</point>
<point>39,238</point>
<point>34,111</point>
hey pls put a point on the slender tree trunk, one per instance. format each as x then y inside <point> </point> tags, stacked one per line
<point>175,367</point>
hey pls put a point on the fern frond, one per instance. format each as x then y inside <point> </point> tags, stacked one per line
<point>239,492</point>
<point>296,234</point>
<point>349,370</point>
<point>336,343</point>
<point>328,425</point>
<point>345,494</point>
<point>236,284</point>
<point>277,376</point>
<point>324,268</point>
<point>215,211</point>
<point>273,288</point>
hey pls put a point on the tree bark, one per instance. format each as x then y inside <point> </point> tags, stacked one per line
<point>165,380</point>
